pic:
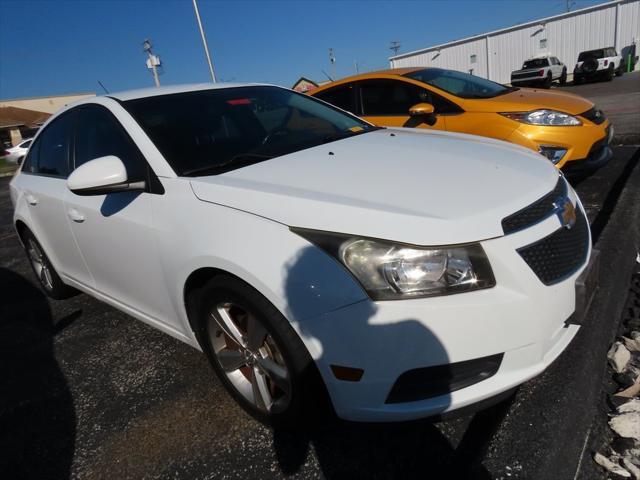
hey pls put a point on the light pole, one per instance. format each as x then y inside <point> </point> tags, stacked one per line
<point>153,61</point>
<point>204,42</point>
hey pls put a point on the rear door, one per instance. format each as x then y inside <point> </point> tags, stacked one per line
<point>386,102</point>
<point>44,183</point>
<point>115,232</point>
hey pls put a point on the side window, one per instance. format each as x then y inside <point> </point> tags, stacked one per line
<point>53,149</point>
<point>390,97</point>
<point>99,134</point>
<point>30,164</point>
<point>443,106</point>
<point>341,97</point>
<point>25,144</point>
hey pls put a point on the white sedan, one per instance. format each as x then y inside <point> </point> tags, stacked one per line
<point>389,274</point>
<point>17,153</point>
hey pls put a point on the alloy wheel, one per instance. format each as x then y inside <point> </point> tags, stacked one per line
<point>40,265</point>
<point>249,357</point>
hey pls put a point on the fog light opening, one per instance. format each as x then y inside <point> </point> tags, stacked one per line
<point>555,154</point>
<point>348,374</point>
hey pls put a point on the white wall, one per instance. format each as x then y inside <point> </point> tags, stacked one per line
<point>565,38</point>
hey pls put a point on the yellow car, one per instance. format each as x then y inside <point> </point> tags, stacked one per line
<point>569,130</point>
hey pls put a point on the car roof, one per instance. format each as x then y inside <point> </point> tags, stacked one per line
<point>168,90</point>
<point>391,71</point>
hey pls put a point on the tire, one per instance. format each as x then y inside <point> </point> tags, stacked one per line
<point>620,71</point>
<point>47,276</point>
<point>577,79</point>
<point>563,77</point>
<point>19,162</point>
<point>298,396</point>
<point>610,74</point>
<point>548,81</point>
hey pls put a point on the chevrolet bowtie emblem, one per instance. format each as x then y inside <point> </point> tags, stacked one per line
<point>565,211</point>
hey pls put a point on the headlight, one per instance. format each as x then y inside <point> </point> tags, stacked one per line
<point>544,117</point>
<point>392,271</point>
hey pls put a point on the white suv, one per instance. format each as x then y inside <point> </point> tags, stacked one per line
<point>600,63</point>
<point>398,273</point>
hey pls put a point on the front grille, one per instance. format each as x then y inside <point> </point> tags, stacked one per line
<point>536,212</point>
<point>533,74</point>
<point>594,115</point>
<point>560,254</point>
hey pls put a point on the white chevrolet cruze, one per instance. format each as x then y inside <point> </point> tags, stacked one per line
<point>397,273</point>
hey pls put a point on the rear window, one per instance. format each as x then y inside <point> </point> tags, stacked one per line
<point>591,54</point>
<point>536,63</point>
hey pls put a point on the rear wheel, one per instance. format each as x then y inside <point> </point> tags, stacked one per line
<point>47,276</point>
<point>563,77</point>
<point>257,355</point>
<point>610,74</point>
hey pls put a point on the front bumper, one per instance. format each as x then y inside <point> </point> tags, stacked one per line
<point>578,140</point>
<point>520,319</point>
<point>528,81</point>
<point>598,156</point>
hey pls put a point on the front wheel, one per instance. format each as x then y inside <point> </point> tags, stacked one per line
<point>256,354</point>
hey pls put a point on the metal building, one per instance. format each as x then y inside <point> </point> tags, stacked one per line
<point>496,54</point>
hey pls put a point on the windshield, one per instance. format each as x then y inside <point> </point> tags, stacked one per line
<point>591,54</point>
<point>536,63</point>
<point>213,131</point>
<point>460,84</point>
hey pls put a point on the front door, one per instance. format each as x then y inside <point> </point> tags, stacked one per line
<point>115,232</point>
<point>386,102</point>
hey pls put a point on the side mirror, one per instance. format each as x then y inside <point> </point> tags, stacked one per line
<point>421,109</point>
<point>101,176</point>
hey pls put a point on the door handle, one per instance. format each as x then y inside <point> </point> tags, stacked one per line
<point>31,200</point>
<point>76,216</point>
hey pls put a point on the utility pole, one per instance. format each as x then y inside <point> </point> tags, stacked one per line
<point>332,61</point>
<point>204,42</point>
<point>569,4</point>
<point>395,47</point>
<point>153,62</point>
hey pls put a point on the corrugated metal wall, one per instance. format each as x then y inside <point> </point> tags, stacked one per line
<point>564,37</point>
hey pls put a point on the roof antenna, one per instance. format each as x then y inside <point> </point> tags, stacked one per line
<point>327,75</point>
<point>103,87</point>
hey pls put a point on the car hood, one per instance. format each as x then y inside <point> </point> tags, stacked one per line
<point>413,186</point>
<point>526,99</point>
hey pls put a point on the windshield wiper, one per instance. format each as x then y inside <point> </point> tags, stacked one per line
<point>332,137</point>
<point>237,160</point>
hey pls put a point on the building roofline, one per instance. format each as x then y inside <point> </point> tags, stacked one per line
<point>47,96</point>
<point>600,6</point>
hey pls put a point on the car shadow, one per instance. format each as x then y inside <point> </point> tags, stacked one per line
<point>413,449</point>
<point>37,414</point>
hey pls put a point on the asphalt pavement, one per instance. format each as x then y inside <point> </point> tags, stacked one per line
<point>620,100</point>
<point>89,392</point>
